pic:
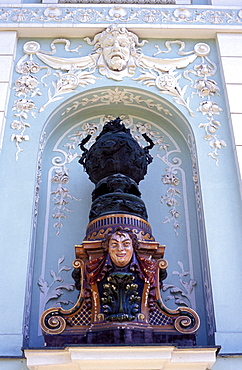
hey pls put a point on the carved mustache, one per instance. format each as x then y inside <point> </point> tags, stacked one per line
<point>119,55</point>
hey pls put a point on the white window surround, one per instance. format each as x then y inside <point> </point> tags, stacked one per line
<point>231,59</point>
<point>12,2</point>
<point>122,358</point>
<point>226,2</point>
<point>8,40</point>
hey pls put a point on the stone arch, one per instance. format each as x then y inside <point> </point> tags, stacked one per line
<point>171,193</point>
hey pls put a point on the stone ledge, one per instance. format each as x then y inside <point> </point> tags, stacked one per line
<point>122,358</point>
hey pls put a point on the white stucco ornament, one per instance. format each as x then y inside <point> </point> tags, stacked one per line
<point>116,54</point>
<point>31,47</point>
<point>52,12</point>
<point>182,13</point>
<point>165,81</point>
<point>202,49</point>
<point>118,12</point>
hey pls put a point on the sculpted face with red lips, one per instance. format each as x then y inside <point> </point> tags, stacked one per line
<point>120,248</point>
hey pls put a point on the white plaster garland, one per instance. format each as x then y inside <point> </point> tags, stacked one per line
<point>116,55</point>
<point>206,88</point>
<point>171,197</point>
<point>167,83</point>
<point>158,14</point>
<point>61,196</point>
<point>116,96</point>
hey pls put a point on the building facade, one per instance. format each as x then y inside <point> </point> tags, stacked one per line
<point>175,74</point>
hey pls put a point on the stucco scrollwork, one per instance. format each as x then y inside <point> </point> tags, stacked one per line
<point>116,54</point>
<point>156,13</point>
<point>183,294</point>
<point>61,196</point>
<point>172,195</point>
<point>56,288</point>
<point>116,96</point>
<point>206,88</point>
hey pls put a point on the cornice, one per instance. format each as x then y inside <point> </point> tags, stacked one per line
<point>145,357</point>
<point>76,19</point>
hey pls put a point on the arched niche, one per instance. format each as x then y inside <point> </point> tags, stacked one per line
<point>171,192</point>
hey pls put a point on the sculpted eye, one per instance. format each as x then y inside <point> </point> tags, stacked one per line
<point>113,245</point>
<point>108,44</point>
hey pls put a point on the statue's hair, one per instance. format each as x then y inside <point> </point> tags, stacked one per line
<point>121,230</point>
<point>114,30</point>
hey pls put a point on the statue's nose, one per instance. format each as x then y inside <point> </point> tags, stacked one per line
<point>116,45</point>
<point>120,246</point>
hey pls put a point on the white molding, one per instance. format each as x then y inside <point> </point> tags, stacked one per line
<point>122,358</point>
<point>229,47</point>
<point>12,2</point>
<point>225,2</point>
<point>50,1</point>
<point>8,41</point>
<point>122,2</point>
<point>181,22</point>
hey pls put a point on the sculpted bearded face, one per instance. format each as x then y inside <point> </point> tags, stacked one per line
<point>116,51</point>
<point>120,248</point>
